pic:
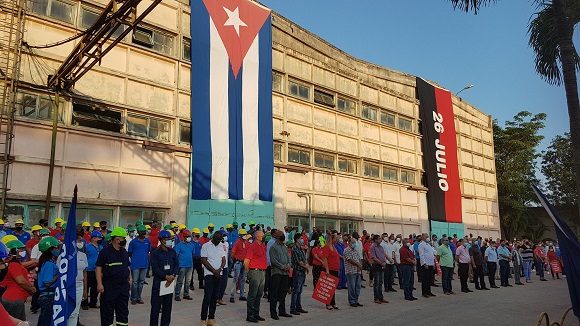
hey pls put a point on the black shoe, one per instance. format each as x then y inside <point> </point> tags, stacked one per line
<point>485,289</point>
<point>177,299</point>
<point>274,317</point>
<point>353,305</point>
<point>192,288</point>
<point>392,290</point>
<point>409,299</point>
<point>251,320</point>
<point>232,300</point>
<point>413,298</point>
<point>285,315</point>
<point>243,299</point>
<point>202,287</point>
<point>465,291</point>
<point>187,298</point>
<point>426,296</point>
<point>260,318</point>
<point>302,311</point>
<point>362,286</point>
<point>509,285</point>
<point>296,313</point>
<point>145,282</point>
<point>265,296</point>
<point>520,283</point>
<point>80,324</point>
<point>432,295</point>
<point>469,290</point>
<point>495,287</point>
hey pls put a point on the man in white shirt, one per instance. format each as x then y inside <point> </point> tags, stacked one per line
<point>213,259</point>
<point>427,258</point>
<point>389,247</point>
<point>398,244</point>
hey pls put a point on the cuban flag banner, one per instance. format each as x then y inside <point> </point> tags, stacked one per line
<point>231,100</point>
<point>65,293</point>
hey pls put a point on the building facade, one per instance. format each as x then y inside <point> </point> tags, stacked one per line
<point>347,143</point>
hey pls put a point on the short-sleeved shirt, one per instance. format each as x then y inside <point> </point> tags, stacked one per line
<point>257,255</point>
<point>491,254</point>
<point>389,248</point>
<point>504,251</point>
<point>35,252</point>
<point>316,251</point>
<point>31,243</point>
<point>214,256</point>
<point>351,254</point>
<point>426,254</point>
<point>115,265</point>
<point>463,255</point>
<point>445,256</point>
<point>477,256</point>
<point>46,275</point>
<point>406,255</point>
<point>92,255</point>
<point>82,264</point>
<point>332,257</point>
<point>184,251</point>
<point>378,253</point>
<point>24,237</point>
<point>14,292</point>
<point>240,249</point>
<point>139,250</point>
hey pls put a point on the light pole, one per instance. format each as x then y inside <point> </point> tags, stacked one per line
<point>464,88</point>
<point>308,206</point>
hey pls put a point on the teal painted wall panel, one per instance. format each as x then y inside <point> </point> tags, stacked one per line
<point>440,228</point>
<point>222,212</point>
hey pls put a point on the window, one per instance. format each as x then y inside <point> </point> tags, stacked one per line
<point>277,82</point>
<point>185,133</point>
<point>278,152</point>
<point>145,216</point>
<point>148,127</point>
<point>39,107</point>
<point>325,161</point>
<point>408,177</point>
<point>85,115</point>
<point>186,49</point>
<point>405,124</point>
<point>92,214</point>
<point>369,113</point>
<point>347,165</point>
<point>153,39</point>
<point>323,98</point>
<point>348,227</point>
<point>346,105</point>
<point>300,222</point>
<point>89,17</point>
<point>31,213</point>
<point>300,156</point>
<point>387,118</point>
<point>56,9</point>
<point>390,173</point>
<point>371,170</point>
<point>299,90</point>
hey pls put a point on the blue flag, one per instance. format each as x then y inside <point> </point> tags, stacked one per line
<point>569,251</point>
<point>65,293</point>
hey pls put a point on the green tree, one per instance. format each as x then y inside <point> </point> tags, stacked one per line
<point>558,168</point>
<point>556,60</point>
<point>516,155</point>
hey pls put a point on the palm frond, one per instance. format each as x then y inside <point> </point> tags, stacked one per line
<point>471,5</point>
<point>544,40</point>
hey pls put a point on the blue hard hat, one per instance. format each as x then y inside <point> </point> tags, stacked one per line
<point>4,252</point>
<point>164,234</point>
<point>96,234</point>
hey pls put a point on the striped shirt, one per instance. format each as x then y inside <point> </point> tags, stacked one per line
<point>351,254</point>
<point>298,256</point>
<point>527,253</point>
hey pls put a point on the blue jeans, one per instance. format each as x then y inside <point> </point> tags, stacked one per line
<point>353,280</point>
<point>378,274</point>
<point>45,301</point>
<point>540,269</point>
<point>298,280</point>
<point>407,280</point>
<point>528,269</point>
<point>138,277</point>
<point>239,279</point>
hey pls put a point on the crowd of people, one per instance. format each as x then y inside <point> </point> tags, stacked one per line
<point>262,262</point>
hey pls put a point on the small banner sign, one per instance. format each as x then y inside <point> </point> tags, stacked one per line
<point>325,288</point>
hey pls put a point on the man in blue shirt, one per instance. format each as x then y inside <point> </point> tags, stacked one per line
<point>93,250</point>
<point>3,232</point>
<point>19,232</point>
<point>491,260</point>
<point>232,234</point>
<point>197,266</point>
<point>139,249</point>
<point>504,257</point>
<point>416,251</point>
<point>184,251</point>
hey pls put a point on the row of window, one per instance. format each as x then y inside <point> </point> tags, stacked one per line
<point>103,118</point>
<point>340,163</point>
<point>342,104</point>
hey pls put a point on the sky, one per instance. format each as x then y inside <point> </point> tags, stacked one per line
<point>428,38</point>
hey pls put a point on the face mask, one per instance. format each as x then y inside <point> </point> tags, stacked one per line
<point>123,243</point>
<point>352,245</point>
<point>1,227</point>
<point>301,242</point>
<point>80,245</point>
<point>103,228</point>
<point>225,239</point>
<point>22,254</point>
<point>398,239</point>
<point>55,252</point>
<point>100,241</point>
<point>340,240</point>
<point>251,240</point>
<point>169,243</point>
<point>142,233</point>
<point>18,228</point>
<point>386,239</point>
<point>188,239</point>
<point>392,241</point>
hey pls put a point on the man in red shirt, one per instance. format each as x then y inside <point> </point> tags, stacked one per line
<point>255,265</point>
<point>35,238</point>
<point>204,238</point>
<point>407,262</point>
<point>239,252</point>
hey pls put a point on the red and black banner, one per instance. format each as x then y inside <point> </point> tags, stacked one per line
<point>439,153</point>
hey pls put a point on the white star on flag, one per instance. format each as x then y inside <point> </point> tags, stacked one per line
<point>234,19</point>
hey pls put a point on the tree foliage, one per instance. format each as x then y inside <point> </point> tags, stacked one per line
<point>516,155</point>
<point>558,168</point>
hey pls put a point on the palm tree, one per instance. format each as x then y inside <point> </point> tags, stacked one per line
<point>556,60</point>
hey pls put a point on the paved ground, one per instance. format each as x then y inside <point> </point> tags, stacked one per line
<point>519,305</point>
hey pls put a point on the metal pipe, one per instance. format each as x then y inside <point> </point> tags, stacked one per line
<point>52,155</point>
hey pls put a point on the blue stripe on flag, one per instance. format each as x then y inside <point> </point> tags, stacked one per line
<point>265,133</point>
<point>201,158</point>
<point>235,182</point>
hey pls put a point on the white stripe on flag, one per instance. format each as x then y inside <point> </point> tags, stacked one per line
<point>218,106</point>
<point>250,89</point>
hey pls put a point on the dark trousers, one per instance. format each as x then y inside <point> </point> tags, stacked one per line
<point>419,271</point>
<point>255,291</point>
<point>388,283</point>
<point>223,283</point>
<point>399,274</point>
<point>333,301</point>
<point>540,268</point>
<point>427,276</point>
<point>34,305</point>
<point>479,277</point>
<point>463,271</point>
<point>316,270</point>
<point>45,302</point>
<point>378,273</point>
<point>210,297</point>
<point>504,272</point>
<point>407,280</point>
<point>198,268</point>
<point>267,279</point>
<point>92,288</point>
<point>277,294</point>
<point>446,276</point>
<point>491,268</point>
<point>115,305</point>
<point>160,304</point>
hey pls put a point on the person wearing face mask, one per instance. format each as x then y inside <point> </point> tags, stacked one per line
<point>35,239</point>
<point>225,274</point>
<point>47,278</point>
<point>554,261</point>
<point>445,257</point>
<point>504,257</point>
<point>540,260</point>
<point>213,258</point>
<point>527,260</point>
<point>3,231</point>
<point>397,259</point>
<point>139,249</point>
<point>300,269</point>
<point>378,260</point>
<point>238,255</point>
<point>407,262</point>
<point>280,267</point>
<point>427,260</point>
<point>114,280</point>
<point>353,270</point>
<point>340,246</point>
<point>388,245</point>
<point>93,249</point>
<point>5,317</point>
<point>103,228</point>
<point>165,266</point>
<point>81,281</point>
<point>184,251</point>
<point>197,266</point>
<point>58,231</point>
<point>517,260</point>
<point>131,234</point>
<point>255,265</point>
<point>19,232</point>
<point>16,282</point>
<point>491,261</point>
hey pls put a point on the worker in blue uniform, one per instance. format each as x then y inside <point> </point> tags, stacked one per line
<point>114,280</point>
<point>165,267</point>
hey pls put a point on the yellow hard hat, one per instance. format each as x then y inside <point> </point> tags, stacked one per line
<point>19,221</point>
<point>58,220</point>
<point>182,226</point>
<point>206,230</point>
<point>86,224</point>
<point>229,226</point>
<point>195,230</point>
<point>171,232</point>
<point>8,238</point>
<point>210,225</point>
<point>1,222</point>
<point>97,224</point>
<point>242,232</point>
<point>174,225</point>
<point>148,227</point>
<point>36,228</point>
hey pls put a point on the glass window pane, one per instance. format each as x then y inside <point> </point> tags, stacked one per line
<point>129,216</point>
<point>304,92</point>
<point>163,43</point>
<point>405,124</point>
<point>369,113</point>
<point>387,118</point>
<point>186,49</point>
<point>185,133</point>
<point>45,109</point>
<point>39,6</point>
<point>323,98</point>
<point>88,18</point>
<point>13,212</point>
<point>153,216</point>
<point>389,173</point>
<point>137,125</point>
<point>61,11</point>
<point>371,170</point>
<point>346,105</point>
<point>305,157</point>
<point>29,106</point>
<point>276,82</point>
<point>278,152</point>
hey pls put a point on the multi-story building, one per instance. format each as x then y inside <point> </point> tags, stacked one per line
<point>347,142</point>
